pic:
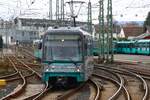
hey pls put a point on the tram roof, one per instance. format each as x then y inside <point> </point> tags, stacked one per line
<point>144,40</point>
<point>67,30</point>
<point>126,41</point>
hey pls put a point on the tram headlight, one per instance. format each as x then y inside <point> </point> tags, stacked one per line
<point>78,70</point>
<point>47,70</point>
<point>52,66</point>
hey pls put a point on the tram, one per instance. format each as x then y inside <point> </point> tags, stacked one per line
<point>67,55</point>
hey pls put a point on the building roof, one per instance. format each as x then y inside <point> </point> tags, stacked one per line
<point>116,29</point>
<point>145,35</point>
<point>148,29</point>
<point>133,31</point>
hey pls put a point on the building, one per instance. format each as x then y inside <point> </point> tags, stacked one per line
<point>145,35</point>
<point>116,30</point>
<point>7,31</point>
<point>132,31</point>
<point>28,29</point>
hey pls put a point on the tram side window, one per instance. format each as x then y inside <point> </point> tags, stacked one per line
<point>136,45</point>
<point>146,45</point>
<point>132,45</point>
<point>127,45</point>
<point>124,45</point>
<point>88,46</point>
<point>141,45</point>
<point>40,45</point>
<point>119,45</point>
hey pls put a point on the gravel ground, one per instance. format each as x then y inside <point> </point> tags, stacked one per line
<point>140,58</point>
<point>7,89</point>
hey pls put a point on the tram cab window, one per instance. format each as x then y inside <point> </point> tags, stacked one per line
<point>63,47</point>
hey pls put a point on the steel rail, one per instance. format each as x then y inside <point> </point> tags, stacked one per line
<point>28,53</point>
<point>145,85</point>
<point>13,79</point>
<point>97,87</point>
<point>43,92</point>
<point>90,81</point>
<point>142,74</point>
<point>138,71</point>
<point>128,97</point>
<point>28,67</point>
<point>116,94</point>
<point>46,88</point>
<point>21,88</point>
<point>68,94</point>
<point>14,74</point>
<point>10,75</point>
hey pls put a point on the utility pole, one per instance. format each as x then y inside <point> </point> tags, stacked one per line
<point>50,10</point>
<point>90,17</point>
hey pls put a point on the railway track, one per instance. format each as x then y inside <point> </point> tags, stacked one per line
<point>22,91</point>
<point>117,80</point>
<point>75,93</point>
<point>132,79</point>
<point>28,54</point>
<point>81,92</point>
<point>116,83</point>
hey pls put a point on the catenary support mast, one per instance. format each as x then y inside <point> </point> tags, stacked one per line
<point>105,33</point>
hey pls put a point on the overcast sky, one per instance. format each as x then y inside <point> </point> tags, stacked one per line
<point>123,10</point>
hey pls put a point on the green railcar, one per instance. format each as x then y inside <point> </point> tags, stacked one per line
<point>125,47</point>
<point>134,47</point>
<point>143,47</point>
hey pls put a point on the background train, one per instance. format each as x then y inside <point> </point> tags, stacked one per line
<point>141,47</point>
<point>133,47</point>
<point>66,55</point>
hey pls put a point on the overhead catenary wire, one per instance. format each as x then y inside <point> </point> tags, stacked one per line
<point>21,6</point>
